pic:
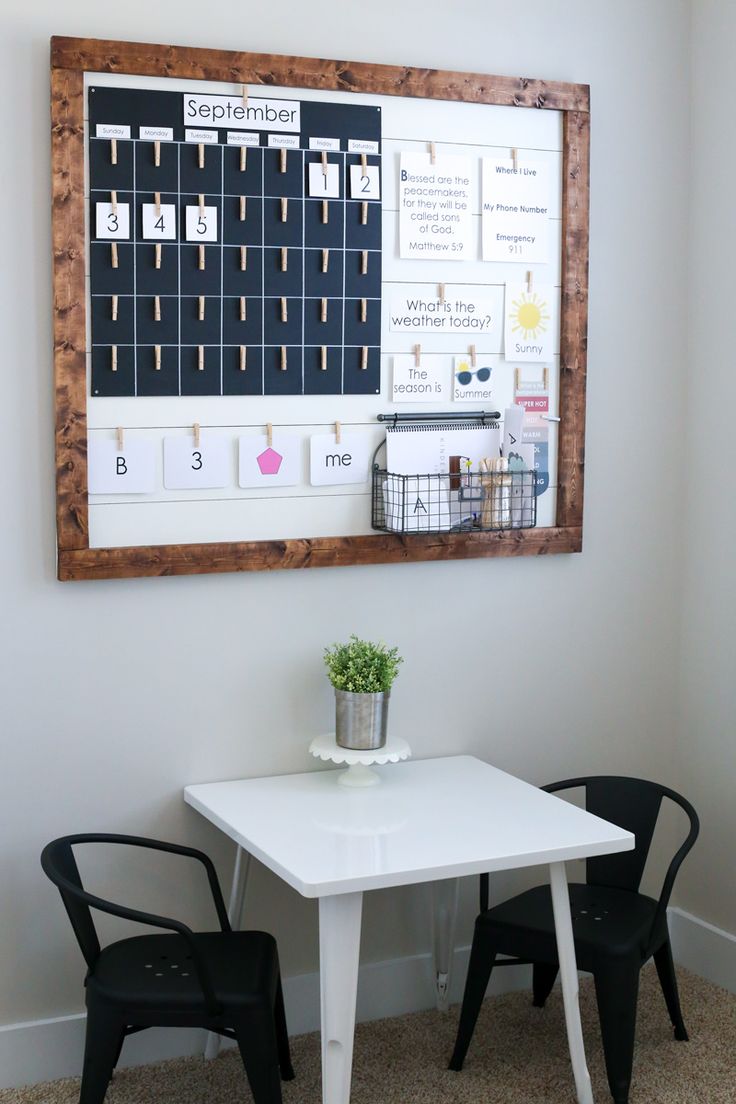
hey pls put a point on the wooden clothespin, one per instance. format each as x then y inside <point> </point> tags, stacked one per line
<point>269,434</point>
<point>364,213</point>
<point>364,263</point>
<point>517,379</point>
<point>114,306</point>
<point>119,439</point>
<point>114,358</point>
<point>157,153</point>
<point>323,359</point>
<point>242,358</point>
<point>364,358</point>
<point>363,310</point>
<point>325,212</point>
<point>529,282</point>
<point>201,205</point>
<point>156,255</point>
<point>323,311</point>
<point>242,308</point>
<point>325,259</point>
<point>157,308</point>
<point>157,203</point>
<point>196,433</point>
<point>242,208</point>
<point>245,97</point>
<point>113,151</point>
<point>441,293</point>
<point>545,379</point>
<point>324,162</point>
<point>114,254</point>
<point>201,258</point>
<point>284,258</point>
<point>417,355</point>
<point>364,164</point>
<point>243,258</point>
<point>200,358</point>
<point>515,158</point>
<point>284,208</point>
<point>283,358</point>
<point>114,202</point>
<point>338,433</point>
<point>243,158</point>
<point>282,161</point>
<point>284,311</point>
<point>432,153</point>
<point>157,357</point>
<point>473,356</point>
<point>201,308</point>
<point>200,154</point>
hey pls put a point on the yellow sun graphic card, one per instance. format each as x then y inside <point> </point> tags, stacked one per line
<point>530,322</point>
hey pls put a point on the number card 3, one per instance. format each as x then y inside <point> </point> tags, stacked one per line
<point>201,226</point>
<point>112,223</point>
<point>205,466</point>
<point>159,223</point>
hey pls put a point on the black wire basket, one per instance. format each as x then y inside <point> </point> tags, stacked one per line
<point>444,503</point>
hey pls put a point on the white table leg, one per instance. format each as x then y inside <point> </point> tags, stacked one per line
<point>234,914</point>
<point>339,951</point>
<point>569,980</point>
<point>444,915</point>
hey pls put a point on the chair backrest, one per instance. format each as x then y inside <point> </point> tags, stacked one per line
<point>59,864</point>
<point>633,804</point>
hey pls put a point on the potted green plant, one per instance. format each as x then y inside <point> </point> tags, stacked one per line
<point>362,674</point>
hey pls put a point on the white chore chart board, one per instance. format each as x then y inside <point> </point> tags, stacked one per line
<point>456,331</point>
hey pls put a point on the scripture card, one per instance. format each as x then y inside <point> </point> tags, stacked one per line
<point>515,211</point>
<point>347,462</point>
<point>191,467</point>
<point>528,322</point>
<point>365,185</point>
<point>159,223</point>
<point>427,381</point>
<point>131,470</point>
<point>201,226</point>
<point>111,223</point>
<point>490,382</point>
<point>435,216</point>
<point>274,465</point>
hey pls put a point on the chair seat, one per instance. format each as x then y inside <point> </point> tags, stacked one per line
<point>157,970</point>
<point>606,923</point>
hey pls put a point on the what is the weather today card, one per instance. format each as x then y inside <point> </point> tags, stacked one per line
<point>530,322</point>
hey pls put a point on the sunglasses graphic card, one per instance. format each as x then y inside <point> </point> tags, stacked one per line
<point>490,383</point>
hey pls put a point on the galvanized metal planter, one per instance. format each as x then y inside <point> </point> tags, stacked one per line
<point>361,719</point>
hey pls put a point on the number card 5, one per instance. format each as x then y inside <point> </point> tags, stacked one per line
<point>191,466</point>
<point>365,185</point>
<point>159,222</point>
<point>113,221</point>
<point>201,225</point>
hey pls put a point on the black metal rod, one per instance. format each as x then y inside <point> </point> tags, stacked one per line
<point>452,416</point>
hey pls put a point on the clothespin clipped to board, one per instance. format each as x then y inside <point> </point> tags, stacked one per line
<point>417,355</point>
<point>432,153</point>
<point>114,254</point>
<point>114,358</point>
<point>113,151</point>
<point>242,308</point>
<point>283,365</point>
<point>120,439</point>
<point>441,293</point>
<point>200,312</point>
<point>284,309</point>
<point>517,379</point>
<point>324,162</point>
<point>325,259</point>
<point>282,160</point>
<point>196,434</point>
<point>245,97</point>
<point>157,153</point>
<point>363,310</point>
<point>114,308</point>
<point>529,282</point>
<point>364,213</point>
<point>200,264</point>
<point>364,164</point>
<point>325,212</point>
<point>323,359</point>
<point>157,308</point>
<point>243,158</point>
<point>156,255</point>
<point>473,356</point>
<point>242,358</point>
<point>201,205</point>
<point>114,202</point>
<point>200,358</point>
<point>157,203</point>
<point>243,258</point>
<point>284,258</point>
<point>338,433</point>
<point>545,379</point>
<point>515,158</point>
<point>157,358</point>
<point>269,435</point>
<point>364,358</point>
<point>284,208</point>
<point>200,154</point>
<point>364,263</point>
<point>323,310</point>
<point>242,208</point>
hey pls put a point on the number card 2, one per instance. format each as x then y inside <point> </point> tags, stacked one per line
<point>201,226</point>
<point>192,467</point>
<point>112,223</point>
<point>324,185</point>
<point>365,185</point>
<point>159,223</point>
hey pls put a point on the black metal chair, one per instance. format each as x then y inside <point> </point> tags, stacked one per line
<point>616,928</point>
<point>225,981</point>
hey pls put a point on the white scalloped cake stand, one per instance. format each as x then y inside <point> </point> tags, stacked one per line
<point>359,762</point>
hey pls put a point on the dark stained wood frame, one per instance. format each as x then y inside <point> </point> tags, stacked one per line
<point>70,59</point>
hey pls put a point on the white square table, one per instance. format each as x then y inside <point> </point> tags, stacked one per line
<point>430,820</point>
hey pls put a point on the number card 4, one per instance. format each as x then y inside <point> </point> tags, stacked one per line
<point>201,223</point>
<point>113,220</point>
<point>159,222</point>
<point>190,466</point>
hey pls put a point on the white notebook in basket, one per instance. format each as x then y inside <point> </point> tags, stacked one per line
<point>426,449</point>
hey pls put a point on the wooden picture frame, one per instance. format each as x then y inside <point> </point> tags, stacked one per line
<point>71,58</point>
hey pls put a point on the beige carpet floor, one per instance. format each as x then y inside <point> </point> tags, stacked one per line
<point>518,1056</point>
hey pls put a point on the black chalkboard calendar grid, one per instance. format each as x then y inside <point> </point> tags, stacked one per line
<point>282,294</point>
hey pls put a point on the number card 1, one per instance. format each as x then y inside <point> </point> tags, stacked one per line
<point>192,466</point>
<point>324,185</point>
<point>159,222</point>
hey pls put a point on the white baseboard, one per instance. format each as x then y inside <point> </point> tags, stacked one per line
<point>703,948</point>
<point>45,1050</point>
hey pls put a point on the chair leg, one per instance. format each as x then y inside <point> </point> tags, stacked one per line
<point>282,1036</point>
<point>617,991</point>
<point>668,981</point>
<point>101,1050</point>
<point>259,1052</point>
<point>543,978</point>
<point>482,957</point>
